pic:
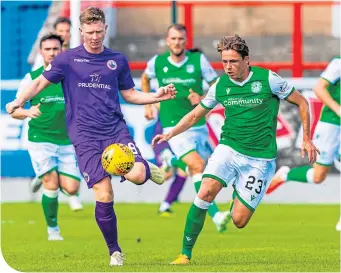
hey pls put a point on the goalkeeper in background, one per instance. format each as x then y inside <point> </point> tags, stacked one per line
<point>52,154</point>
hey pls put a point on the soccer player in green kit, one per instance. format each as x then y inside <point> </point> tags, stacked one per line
<point>52,154</point>
<point>326,135</point>
<point>247,150</point>
<point>186,70</point>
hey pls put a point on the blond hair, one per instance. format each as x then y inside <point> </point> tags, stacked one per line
<point>235,43</point>
<point>91,14</point>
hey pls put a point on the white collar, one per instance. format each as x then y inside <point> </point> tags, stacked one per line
<point>243,82</point>
<point>175,63</point>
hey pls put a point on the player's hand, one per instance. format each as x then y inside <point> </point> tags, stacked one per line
<point>312,151</point>
<point>161,138</point>
<point>12,106</point>
<point>149,112</point>
<point>34,111</point>
<point>193,97</point>
<point>165,93</point>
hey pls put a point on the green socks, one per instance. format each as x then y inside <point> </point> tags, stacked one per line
<point>304,174</point>
<point>50,207</point>
<point>213,208</point>
<point>179,164</point>
<point>194,224</point>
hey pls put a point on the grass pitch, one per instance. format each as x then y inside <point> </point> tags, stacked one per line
<point>279,238</point>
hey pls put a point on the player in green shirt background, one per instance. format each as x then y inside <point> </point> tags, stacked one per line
<point>246,154</point>
<point>326,135</point>
<point>62,28</point>
<point>186,70</point>
<point>52,154</point>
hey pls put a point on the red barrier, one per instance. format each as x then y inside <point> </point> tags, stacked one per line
<point>297,64</point>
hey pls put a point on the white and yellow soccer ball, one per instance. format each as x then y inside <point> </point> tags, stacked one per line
<point>118,159</point>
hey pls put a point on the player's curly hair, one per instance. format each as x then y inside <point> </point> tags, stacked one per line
<point>90,15</point>
<point>233,42</point>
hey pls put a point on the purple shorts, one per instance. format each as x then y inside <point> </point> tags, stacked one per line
<point>89,155</point>
<point>159,147</point>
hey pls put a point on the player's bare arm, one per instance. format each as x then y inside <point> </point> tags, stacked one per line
<point>184,124</point>
<point>149,111</point>
<point>22,113</point>
<point>32,90</point>
<point>303,106</point>
<point>163,93</point>
<point>321,91</point>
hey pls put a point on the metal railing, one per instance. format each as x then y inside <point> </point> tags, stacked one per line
<point>297,65</point>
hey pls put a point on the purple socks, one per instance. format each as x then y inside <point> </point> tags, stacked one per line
<point>107,222</point>
<point>175,189</point>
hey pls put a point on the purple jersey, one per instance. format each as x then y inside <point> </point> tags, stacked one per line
<point>91,83</point>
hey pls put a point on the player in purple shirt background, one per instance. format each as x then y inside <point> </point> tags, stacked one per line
<point>91,77</point>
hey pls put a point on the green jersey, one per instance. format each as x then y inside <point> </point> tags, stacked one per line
<point>251,109</point>
<point>50,126</point>
<point>332,75</point>
<point>186,75</point>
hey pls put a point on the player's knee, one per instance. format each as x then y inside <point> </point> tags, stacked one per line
<point>196,166</point>
<point>137,175</point>
<point>239,221</point>
<point>104,196</point>
<point>319,177</point>
<point>50,180</point>
<point>206,192</point>
<point>103,191</point>
<point>72,188</point>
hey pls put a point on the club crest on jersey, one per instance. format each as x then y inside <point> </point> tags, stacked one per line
<point>256,87</point>
<point>48,68</point>
<point>111,64</point>
<point>165,69</point>
<point>86,176</point>
<point>228,90</point>
<point>190,68</point>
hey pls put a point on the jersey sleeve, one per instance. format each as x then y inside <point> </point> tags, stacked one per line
<point>207,71</point>
<point>209,102</point>
<point>24,83</point>
<point>150,69</point>
<point>55,72</point>
<point>332,72</point>
<point>125,81</point>
<point>279,87</point>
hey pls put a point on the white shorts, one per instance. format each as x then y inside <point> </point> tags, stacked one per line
<point>46,157</point>
<point>327,140</point>
<point>251,176</point>
<point>194,139</point>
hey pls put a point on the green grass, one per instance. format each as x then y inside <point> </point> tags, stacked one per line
<point>299,238</point>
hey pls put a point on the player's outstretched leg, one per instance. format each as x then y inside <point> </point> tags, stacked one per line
<point>279,179</point>
<point>315,174</point>
<point>196,218</point>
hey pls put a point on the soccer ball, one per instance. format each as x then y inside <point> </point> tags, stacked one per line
<point>118,159</point>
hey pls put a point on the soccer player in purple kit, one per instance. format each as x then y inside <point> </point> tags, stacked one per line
<point>91,77</point>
